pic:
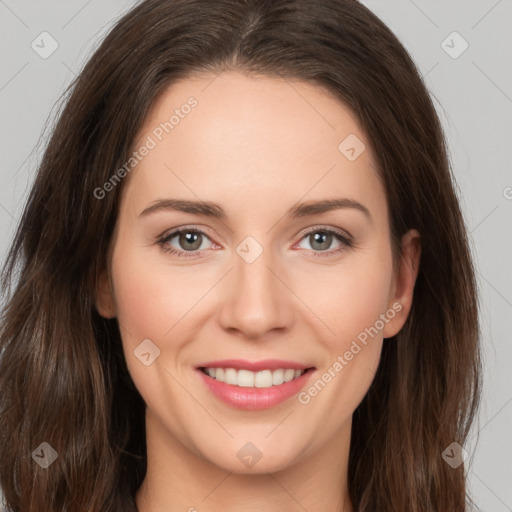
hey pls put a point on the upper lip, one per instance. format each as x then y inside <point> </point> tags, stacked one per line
<point>254,366</point>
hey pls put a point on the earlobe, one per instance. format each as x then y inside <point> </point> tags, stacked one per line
<point>404,281</point>
<point>104,296</point>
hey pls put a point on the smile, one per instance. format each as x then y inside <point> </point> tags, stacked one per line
<point>249,379</point>
<point>253,385</point>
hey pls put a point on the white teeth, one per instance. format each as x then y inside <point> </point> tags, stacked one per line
<point>263,379</point>
<point>245,379</point>
<point>230,376</point>
<point>277,377</point>
<point>289,374</point>
<point>248,379</point>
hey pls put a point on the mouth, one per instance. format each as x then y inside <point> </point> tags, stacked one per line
<point>253,386</point>
<point>250,379</point>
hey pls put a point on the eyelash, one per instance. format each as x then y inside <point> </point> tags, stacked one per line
<point>338,234</point>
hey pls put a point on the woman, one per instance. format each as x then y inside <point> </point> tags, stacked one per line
<point>242,277</point>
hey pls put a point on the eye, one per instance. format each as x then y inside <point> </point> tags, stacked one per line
<point>189,242</point>
<point>185,242</point>
<point>321,240</point>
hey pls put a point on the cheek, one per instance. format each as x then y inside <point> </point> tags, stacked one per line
<point>350,297</point>
<point>149,302</point>
<point>351,310</point>
<point>353,299</point>
<point>364,299</point>
<point>152,303</point>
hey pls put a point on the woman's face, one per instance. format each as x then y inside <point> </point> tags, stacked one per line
<point>260,277</point>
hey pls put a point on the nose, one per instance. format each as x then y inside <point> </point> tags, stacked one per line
<point>256,298</point>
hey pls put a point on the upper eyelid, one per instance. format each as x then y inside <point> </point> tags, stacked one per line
<point>320,227</point>
<point>176,231</point>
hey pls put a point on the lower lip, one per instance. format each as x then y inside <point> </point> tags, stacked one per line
<point>254,398</point>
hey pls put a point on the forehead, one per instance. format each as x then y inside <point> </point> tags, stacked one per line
<point>233,136</point>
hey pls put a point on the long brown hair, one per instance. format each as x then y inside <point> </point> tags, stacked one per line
<point>63,378</point>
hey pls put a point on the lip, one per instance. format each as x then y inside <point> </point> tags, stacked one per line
<point>254,398</point>
<point>254,366</point>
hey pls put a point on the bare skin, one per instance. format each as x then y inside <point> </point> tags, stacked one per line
<point>256,147</point>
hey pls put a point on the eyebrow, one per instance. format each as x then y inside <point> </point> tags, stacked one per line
<point>210,209</point>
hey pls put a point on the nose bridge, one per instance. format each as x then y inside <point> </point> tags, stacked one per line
<point>256,300</point>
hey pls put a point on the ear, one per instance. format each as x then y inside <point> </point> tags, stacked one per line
<point>105,303</point>
<point>402,289</point>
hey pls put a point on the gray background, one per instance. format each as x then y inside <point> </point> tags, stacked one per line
<point>473,96</point>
